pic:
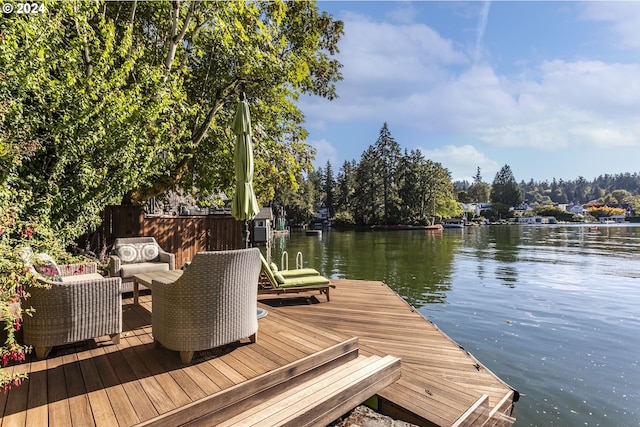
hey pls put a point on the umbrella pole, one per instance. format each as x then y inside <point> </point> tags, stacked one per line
<point>246,233</point>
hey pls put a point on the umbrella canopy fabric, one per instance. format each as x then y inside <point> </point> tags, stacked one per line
<point>244,206</point>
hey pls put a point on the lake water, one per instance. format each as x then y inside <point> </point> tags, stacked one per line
<point>553,310</point>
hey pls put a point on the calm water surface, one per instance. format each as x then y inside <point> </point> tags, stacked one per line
<point>552,310</point>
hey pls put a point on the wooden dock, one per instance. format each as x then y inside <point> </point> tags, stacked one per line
<point>314,361</point>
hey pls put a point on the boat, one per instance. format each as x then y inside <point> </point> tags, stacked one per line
<point>453,223</point>
<point>434,227</point>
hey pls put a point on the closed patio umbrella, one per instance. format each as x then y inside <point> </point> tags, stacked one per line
<point>244,206</point>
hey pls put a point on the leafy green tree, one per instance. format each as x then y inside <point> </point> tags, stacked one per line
<point>559,214</point>
<point>410,192</point>
<point>505,189</point>
<point>620,195</point>
<point>634,201</point>
<point>480,192</point>
<point>439,192</point>
<point>605,211</point>
<point>127,100</point>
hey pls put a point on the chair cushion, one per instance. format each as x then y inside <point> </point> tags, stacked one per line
<point>81,277</point>
<point>304,281</point>
<point>138,252</point>
<point>128,270</point>
<point>299,272</point>
<point>279,277</point>
<point>47,267</point>
<point>267,270</point>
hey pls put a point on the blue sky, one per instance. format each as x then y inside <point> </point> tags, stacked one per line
<point>551,88</point>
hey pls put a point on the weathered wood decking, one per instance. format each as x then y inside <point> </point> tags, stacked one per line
<point>98,383</point>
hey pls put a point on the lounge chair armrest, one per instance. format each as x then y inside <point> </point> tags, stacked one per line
<point>114,266</point>
<point>168,258</point>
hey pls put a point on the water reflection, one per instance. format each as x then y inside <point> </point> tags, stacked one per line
<point>552,310</point>
<point>416,264</point>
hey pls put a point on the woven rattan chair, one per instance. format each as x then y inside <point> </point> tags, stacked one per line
<point>213,303</point>
<point>81,306</point>
<point>133,255</point>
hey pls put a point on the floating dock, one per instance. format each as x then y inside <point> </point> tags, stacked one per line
<point>366,341</point>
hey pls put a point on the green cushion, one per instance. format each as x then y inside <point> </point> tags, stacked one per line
<point>279,277</point>
<point>267,271</point>
<point>304,281</point>
<point>299,272</point>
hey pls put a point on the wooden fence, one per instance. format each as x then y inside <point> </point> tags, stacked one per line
<point>182,235</point>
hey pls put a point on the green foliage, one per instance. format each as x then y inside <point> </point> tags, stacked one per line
<point>126,100</point>
<point>343,219</point>
<point>15,280</point>
<point>559,214</point>
<point>605,211</point>
<point>385,187</point>
<point>479,192</point>
<point>582,191</point>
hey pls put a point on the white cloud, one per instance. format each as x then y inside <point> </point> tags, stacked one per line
<point>462,161</point>
<point>325,151</point>
<point>623,18</point>
<point>409,75</point>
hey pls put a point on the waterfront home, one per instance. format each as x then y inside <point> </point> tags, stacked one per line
<point>613,219</point>
<point>537,220</point>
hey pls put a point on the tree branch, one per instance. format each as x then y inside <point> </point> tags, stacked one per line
<point>133,12</point>
<point>88,67</point>
<point>176,37</point>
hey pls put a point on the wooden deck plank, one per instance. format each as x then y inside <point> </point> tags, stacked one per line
<point>142,404</point>
<point>386,324</point>
<point>37,401</point>
<point>259,412</point>
<point>244,396</point>
<point>134,382</point>
<point>59,412</point>
<point>79,406</point>
<point>101,409</point>
<point>16,404</point>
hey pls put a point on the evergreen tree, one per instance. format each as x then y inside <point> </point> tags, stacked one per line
<point>505,189</point>
<point>388,157</point>
<point>479,192</point>
<point>329,190</point>
<point>367,196</point>
<point>345,186</point>
<point>477,179</point>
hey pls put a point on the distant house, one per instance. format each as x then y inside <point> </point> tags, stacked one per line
<point>577,209</point>
<point>537,220</point>
<point>618,219</point>
<point>480,207</point>
<point>262,225</point>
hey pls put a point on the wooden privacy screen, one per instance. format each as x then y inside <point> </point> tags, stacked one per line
<point>182,235</point>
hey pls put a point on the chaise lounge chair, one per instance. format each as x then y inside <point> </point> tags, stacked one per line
<point>292,281</point>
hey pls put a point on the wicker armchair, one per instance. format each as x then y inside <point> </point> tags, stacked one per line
<point>133,255</point>
<point>81,306</point>
<point>213,303</point>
